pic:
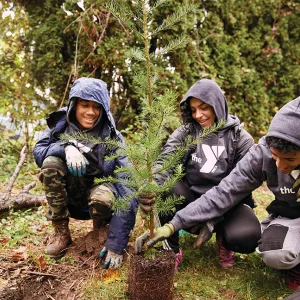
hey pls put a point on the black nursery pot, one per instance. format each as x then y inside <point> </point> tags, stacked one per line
<point>151,279</point>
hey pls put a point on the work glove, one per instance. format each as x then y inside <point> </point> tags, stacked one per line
<point>160,234</point>
<point>76,162</point>
<point>206,232</point>
<point>146,201</point>
<point>112,260</point>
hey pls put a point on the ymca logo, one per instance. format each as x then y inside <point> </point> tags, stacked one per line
<point>212,154</point>
<point>286,190</point>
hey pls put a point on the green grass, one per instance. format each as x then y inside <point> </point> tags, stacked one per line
<point>201,277</point>
<point>22,228</point>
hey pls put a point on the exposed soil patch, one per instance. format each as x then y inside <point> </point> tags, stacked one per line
<point>36,279</point>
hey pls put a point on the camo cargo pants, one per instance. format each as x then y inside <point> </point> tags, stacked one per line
<point>63,189</point>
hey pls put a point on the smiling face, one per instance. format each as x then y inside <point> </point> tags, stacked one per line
<point>87,113</point>
<point>202,113</point>
<point>286,162</point>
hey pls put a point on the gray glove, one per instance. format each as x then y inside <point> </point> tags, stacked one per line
<point>112,260</point>
<point>76,161</point>
<point>206,232</point>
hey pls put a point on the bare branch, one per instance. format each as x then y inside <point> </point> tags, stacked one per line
<point>16,172</point>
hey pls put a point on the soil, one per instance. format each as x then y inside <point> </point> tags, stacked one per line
<point>145,274</point>
<point>62,280</point>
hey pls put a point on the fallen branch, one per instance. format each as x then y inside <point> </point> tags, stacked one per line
<point>23,200</point>
<point>23,156</point>
<point>40,274</point>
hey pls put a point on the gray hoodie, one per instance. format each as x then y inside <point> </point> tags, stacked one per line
<point>255,168</point>
<point>212,160</point>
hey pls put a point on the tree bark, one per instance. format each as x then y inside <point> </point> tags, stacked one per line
<point>23,200</point>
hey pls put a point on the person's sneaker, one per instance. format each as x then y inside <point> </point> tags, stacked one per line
<point>226,257</point>
<point>293,278</point>
<point>178,260</point>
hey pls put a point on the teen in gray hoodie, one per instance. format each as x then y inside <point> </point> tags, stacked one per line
<point>206,164</point>
<point>275,160</point>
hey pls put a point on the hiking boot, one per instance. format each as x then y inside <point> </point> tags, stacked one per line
<point>60,241</point>
<point>178,260</point>
<point>226,257</point>
<point>293,278</point>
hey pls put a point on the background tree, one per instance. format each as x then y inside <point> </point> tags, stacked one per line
<point>250,48</point>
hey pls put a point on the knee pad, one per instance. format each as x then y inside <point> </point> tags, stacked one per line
<point>279,248</point>
<point>101,195</point>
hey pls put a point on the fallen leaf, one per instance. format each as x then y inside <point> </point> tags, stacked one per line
<point>4,240</point>
<point>111,275</point>
<point>19,254</point>
<point>42,263</point>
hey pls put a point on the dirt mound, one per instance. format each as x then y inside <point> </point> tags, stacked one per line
<point>61,280</point>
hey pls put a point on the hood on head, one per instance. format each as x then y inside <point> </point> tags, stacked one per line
<point>93,90</point>
<point>209,92</point>
<point>285,124</point>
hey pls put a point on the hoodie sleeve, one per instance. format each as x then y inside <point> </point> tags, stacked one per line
<point>121,224</point>
<point>176,139</point>
<point>47,147</point>
<point>246,177</point>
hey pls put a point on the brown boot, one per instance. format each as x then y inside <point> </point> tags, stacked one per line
<point>100,231</point>
<point>60,241</point>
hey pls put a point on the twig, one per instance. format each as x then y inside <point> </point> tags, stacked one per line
<point>13,146</point>
<point>40,274</point>
<point>76,52</point>
<point>93,72</point>
<point>6,168</point>
<point>23,156</point>
<point>100,38</point>
<point>28,187</point>
<point>49,296</point>
<point>66,89</point>
<point>51,286</point>
<point>72,284</point>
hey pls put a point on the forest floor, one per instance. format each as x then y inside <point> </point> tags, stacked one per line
<point>26,273</point>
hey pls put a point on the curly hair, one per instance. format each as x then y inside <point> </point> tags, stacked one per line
<point>186,112</point>
<point>281,144</point>
<point>186,115</point>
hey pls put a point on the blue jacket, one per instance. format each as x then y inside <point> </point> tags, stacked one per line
<point>50,145</point>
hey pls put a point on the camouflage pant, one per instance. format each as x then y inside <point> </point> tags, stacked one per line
<point>63,189</point>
